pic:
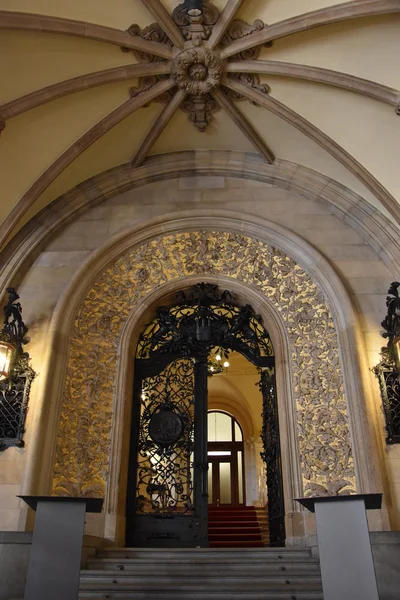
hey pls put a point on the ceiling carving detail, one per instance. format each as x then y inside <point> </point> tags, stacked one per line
<point>84,437</point>
<point>238,45</point>
<point>197,68</point>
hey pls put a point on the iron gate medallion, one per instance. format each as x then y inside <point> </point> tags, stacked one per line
<point>165,427</point>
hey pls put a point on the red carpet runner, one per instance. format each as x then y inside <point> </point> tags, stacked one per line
<point>234,528</point>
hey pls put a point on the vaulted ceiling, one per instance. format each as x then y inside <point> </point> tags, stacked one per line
<point>86,86</point>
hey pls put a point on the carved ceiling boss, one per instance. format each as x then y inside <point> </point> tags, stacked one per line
<point>197,69</point>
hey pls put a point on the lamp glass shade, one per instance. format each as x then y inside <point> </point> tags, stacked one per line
<point>7,352</point>
<point>194,8</point>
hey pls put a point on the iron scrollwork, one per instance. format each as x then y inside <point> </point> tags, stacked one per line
<point>204,318</point>
<point>14,391</point>
<point>271,455</point>
<point>171,398</point>
<point>165,445</point>
<point>388,369</point>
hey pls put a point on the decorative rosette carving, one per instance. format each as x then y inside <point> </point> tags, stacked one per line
<point>197,70</point>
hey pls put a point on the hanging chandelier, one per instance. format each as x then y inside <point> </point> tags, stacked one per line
<point>194,8</point>
<point>218,362</point>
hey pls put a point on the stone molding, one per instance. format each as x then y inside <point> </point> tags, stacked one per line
<point>164,19</point>
<point>47,24</point>
<point>376,230</point>
<point>318,136</point>
<point>83,82</point>
<point>358,85</point>
<point>127,108</point>
<point>345,81</point>
<point>76,149</point>
<point>200,87</point>
<point>356,9</point>
<point>21,21</point>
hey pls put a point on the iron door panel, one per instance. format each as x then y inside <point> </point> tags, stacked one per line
<point>166,482</point>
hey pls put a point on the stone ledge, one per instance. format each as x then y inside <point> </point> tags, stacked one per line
<point>25,537</point>
<point>385,537</point>
<point>16,537</point>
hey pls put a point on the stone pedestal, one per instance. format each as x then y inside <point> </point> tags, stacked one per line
<point>347,566</point>
<point>54,564</point>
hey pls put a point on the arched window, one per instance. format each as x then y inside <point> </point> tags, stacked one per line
<point>225,460</point>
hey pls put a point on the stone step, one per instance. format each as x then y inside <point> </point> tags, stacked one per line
<point>202,574</point>
<point>232,535</point>
<point>208,595</point>
<point>188,555</point>
<point>242,530</point>
<point>236,526</point>
<point>96,581</point>
<point>235,509</point>
<point>232,518</point>
<point>115,568</point>
<point>235,543</point>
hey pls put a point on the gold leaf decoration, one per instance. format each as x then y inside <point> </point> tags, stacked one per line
<point>83,445</point>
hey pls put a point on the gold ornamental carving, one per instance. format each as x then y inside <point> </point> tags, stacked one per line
<point>84,437</point>
<point>197,68</point>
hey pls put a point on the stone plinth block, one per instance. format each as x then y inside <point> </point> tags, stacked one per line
<point>55,559</point>
<point>347,566</point>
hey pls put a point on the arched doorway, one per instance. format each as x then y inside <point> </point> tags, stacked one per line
<point>167,497</point>
<point>226,480</point>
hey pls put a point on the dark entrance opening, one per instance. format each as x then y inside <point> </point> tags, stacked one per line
<point>168,495</point>
<point>226,481</point>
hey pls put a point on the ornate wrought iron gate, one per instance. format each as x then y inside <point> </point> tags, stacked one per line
<point>169,478</point>
<point>167,499</point>
<point>272,458</point>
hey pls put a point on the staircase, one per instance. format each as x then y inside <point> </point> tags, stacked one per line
<point>234,528</point>
<point>202,574</point>
<point>262,518</point>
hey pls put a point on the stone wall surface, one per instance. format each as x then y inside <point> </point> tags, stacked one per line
<point>363,271</point>
<point>386,555</point>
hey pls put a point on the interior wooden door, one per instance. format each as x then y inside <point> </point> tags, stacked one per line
<point>223,481</point>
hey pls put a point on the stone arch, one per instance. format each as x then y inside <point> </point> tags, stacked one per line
<point>199,237</point>
<point>377,230</point>
<point>231,401</point>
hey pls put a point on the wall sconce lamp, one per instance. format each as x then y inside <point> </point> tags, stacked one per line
<point>16,374</point>
<point>391,324</point>
<point>388,369</point>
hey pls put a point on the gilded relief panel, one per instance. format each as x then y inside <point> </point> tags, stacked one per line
<point>83,446</point>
